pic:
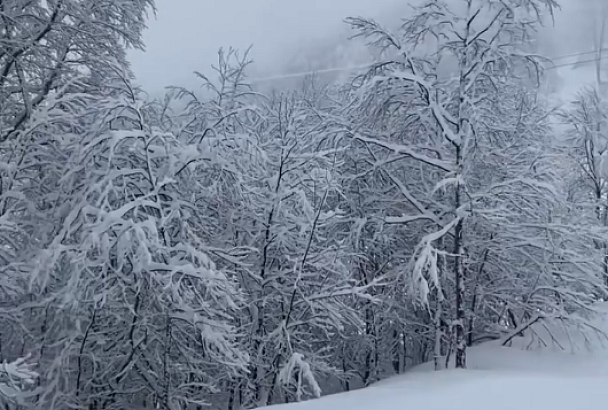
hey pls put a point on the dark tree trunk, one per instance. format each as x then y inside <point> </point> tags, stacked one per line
<point>460,342</point>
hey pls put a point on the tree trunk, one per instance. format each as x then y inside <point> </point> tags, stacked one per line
<point>396,353</point>
<point>346,381</point>
<point>438,331</point>
<point>461,345</point>
<point>460,342</point>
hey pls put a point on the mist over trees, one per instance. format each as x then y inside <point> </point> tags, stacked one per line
<point>239,248</point>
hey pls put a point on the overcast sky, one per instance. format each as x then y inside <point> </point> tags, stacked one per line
<point>186,34</point>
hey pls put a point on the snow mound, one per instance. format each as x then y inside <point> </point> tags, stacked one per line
<point>550,368</point>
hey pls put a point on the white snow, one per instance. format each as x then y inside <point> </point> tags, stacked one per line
<point>527,375</point>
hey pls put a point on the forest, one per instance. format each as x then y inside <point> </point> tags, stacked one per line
<point>230,247</point>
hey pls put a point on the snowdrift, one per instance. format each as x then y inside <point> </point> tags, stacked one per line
<point>550,368</point>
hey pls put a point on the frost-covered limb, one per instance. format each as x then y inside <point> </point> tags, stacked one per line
<point>16,379</point>
<point>44,42</point>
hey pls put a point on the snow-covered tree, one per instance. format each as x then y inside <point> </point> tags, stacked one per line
<point>52,55</point>
<point>43,44</point>
<point>134,311</point>
<point>283,233</point>
<point>237,249</point>
<point>586,144</point>
<point>462,118</point>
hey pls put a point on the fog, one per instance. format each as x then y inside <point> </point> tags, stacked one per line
<point>186,34</point>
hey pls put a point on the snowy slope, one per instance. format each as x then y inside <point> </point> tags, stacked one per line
<point>524,376</point>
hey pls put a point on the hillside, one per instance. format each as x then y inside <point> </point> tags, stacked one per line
<point>535,372</point>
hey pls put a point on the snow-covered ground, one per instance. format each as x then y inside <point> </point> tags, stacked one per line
<point>527,375</point>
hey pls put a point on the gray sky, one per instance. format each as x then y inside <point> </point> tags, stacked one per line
<point>186,34</point>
